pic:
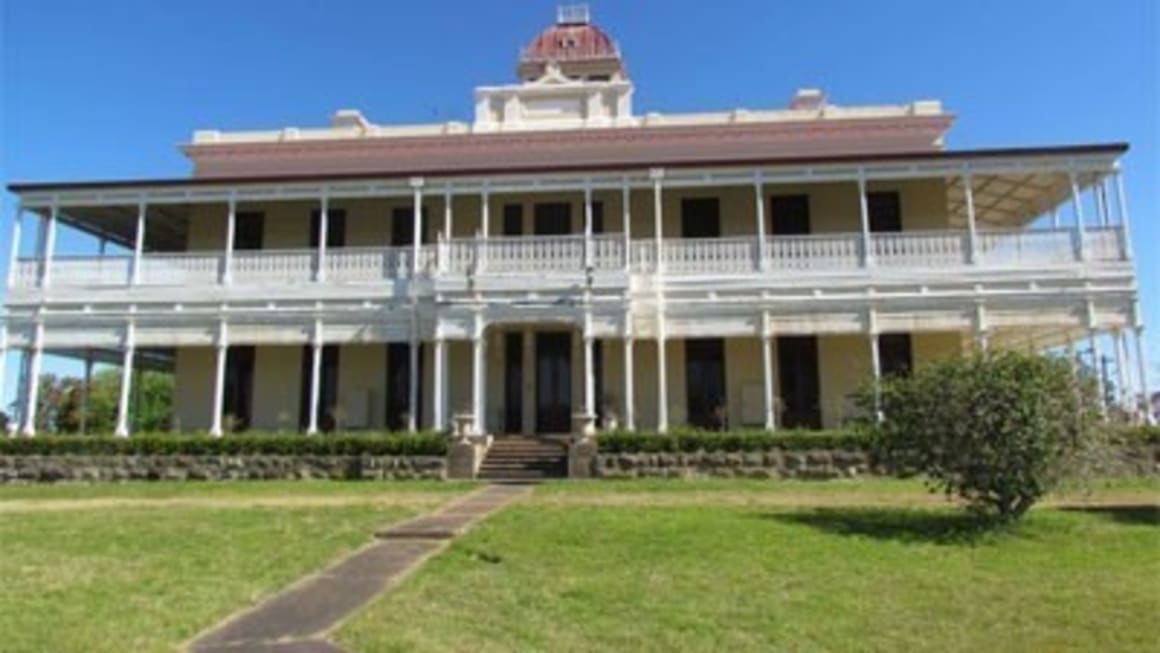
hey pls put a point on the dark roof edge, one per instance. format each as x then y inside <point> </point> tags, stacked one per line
<point>1085,148</point>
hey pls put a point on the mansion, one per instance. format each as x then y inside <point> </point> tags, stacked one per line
<point>563,257</point>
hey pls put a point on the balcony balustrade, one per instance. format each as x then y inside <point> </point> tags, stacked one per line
<point>565,255</point>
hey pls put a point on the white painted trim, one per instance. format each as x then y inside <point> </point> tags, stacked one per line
<point>629,384</point>
<point>972,230</point>
<point>49,246</point>
<point>127,361</point>
<point>221,350</point>
<point>231,231</point>
<point>32,381</point>
<point>315,378</point>
<point>323,232</point>
<point>14,246</point>
<point>768,386</point>
<point>759,202</point>
<point>864,219</point>
<point>138,243</point>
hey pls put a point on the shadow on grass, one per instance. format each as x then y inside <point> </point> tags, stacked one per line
<point>916,526</point>
<point>1131,515</point>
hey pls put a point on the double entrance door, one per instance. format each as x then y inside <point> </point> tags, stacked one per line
<point>551,381</point>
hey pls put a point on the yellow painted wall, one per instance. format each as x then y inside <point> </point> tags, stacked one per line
<point>843,366</point>
<point>193,388</point>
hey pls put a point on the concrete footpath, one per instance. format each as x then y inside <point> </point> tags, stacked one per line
<point>299,618</point>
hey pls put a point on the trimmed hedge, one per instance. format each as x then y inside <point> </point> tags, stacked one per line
<point>420,444</point>
<point>728,441</point>
<point>1138,434</point>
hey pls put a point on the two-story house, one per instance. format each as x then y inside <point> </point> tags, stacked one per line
<point>562,254</point>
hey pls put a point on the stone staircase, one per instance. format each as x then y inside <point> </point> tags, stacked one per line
<point>517,458</point>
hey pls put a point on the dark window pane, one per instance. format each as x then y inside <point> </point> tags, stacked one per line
<point>789,215</point>
<point>403,226</point>
<point>705,383</point>
<point>797,374</point>
<point>513,219</point>
<point>398,390</point>
<point>885,211</point>
<point>239,386</point>
<point>597,217</point>
<point>513,382</point>
<point>553,219</point>
<point>700,217</point>
<point>248,228</point>
<point>895,354</point>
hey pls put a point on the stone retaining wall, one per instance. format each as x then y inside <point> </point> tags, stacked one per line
<point>818,464</point>
<point>1142,460</point>
<point>50,469</point>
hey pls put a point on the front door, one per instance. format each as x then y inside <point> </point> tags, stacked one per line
<point>513,383</point>
<point>797,366</point>
<point>705,382</point>
<point>553,382</point>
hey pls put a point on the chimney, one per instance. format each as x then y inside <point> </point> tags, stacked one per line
<point>808,99</point>
<point>349,118</point>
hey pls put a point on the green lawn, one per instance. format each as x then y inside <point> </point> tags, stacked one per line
<point>725,566</point>
<point>143,567</point>
<point>641,565</point>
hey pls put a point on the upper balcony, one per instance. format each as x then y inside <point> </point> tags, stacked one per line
<point>522,260</point>
<point>937,218</point>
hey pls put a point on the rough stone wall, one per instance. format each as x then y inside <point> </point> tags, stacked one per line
<point>1141,460</point>
<point>818,464</point>
<point>51,469</point>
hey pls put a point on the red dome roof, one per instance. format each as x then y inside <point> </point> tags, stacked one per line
<point>571,42</point>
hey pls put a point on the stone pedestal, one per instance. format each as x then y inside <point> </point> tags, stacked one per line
<point>582,458</point>
<point>463,459</point>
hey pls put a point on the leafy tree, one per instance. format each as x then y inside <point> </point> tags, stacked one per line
<point>999,430</point>
<point>61,402</point>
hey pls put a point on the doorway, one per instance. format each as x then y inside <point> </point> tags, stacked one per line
<point>553,382</point>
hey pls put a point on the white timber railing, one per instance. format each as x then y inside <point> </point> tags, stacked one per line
<point>572,255</point>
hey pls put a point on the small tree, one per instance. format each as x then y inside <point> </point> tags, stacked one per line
<point>999,430</point>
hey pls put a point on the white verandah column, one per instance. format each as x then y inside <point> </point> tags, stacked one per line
<point>413,374</point>
<point>770,393</point>
<point>972,231</point>
<point>49,246</point>
<point>478,376</point>
<point>221,350</point>
<point>662,378</point>
<point>323,230</point>
<point>130,350</point>
<point>759,202</point>
<point>315,378</point>
<point>587,224</point>
<point>1122,212</point>
<point>864,218</point>
<point>32,381</point>
<point>14,246</point>
<point>1097,369</point>
<point>626,220</point>
<point>629,382</point>
<point>1124,396</point>
<point>1077,206</point>
<point>138,244</point>
<point>657,175</point>
<point>439,402</point>
<point>875,363</point>
<point>227,273</point>
<point>589,370</point>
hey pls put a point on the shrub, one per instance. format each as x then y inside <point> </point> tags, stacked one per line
<point>999,430</point>
<point>419,444</point>
<point>727,441</point>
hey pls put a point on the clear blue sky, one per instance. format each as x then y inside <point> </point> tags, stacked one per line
<point>98,90</point>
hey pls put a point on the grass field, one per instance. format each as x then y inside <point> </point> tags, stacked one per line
<point>143,567</point>
<point>641,565</point>
<point>725,566</point>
